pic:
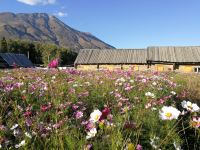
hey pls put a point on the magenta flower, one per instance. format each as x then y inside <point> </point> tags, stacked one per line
<point>44,108</point>
<point>105,113</point>
<point>53,63</point>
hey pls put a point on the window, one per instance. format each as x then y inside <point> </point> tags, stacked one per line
<point>176,67</point>
<point>197,69</point>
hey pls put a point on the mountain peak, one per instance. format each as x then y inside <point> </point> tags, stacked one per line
<point>46,28</point>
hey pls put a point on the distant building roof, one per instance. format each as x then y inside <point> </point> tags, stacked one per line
<point>171,54</point>
<point>111,56</point>
<point>185,54</point>
<point>18,59</point>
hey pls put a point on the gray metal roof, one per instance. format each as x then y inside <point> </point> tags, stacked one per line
<point>174,54</point>
<point>171,54</point>
<point>111,56</point>
<point>18,59</point>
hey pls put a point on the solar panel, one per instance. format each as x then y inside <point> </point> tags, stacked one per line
<point>6,57</point>
<point>19,59</point>
<point>24,60</point>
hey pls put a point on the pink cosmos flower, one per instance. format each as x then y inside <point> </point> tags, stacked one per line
<point>84,123</point>
<point>148,105</point>
<point>58,125</point>
<point>110,117</point>
<point>44,108</point>
<point>90,125</point>
<point>79,114</point>
<point>27,114</point>
<point>74,107</point>
<point>28,122</point>
<point>70,80</point>
<point>119,104</point>
<point>71,90</point>
<point>161,101</point>
<point>139,147</point>
<point>53,63</point>
<point>88,147</point>
<point>117,95</point>
<point>128,88</point>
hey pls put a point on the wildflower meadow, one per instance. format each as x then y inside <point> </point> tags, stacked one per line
<point>98,110</point>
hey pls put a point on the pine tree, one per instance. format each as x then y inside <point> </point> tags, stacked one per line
<point>3,46</point>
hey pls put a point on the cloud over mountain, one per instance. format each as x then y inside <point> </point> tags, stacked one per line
<point>61,14</point>
<point>37,2</point>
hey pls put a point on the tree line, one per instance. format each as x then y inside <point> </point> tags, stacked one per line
<point>38,53</point>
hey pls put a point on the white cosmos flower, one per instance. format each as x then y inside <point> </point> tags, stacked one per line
<point>14,126</point>
<point>154,141</point>
<point>95,115</point>
<point>144,80</point>
<point>120,84</point>
<point>75,85</point>
<point>177,146</point>
<point>22,143</point>
<point>173,93</point>
<point>131,81</point>
<point>28,135</point>
<point>16,132</point>
<point>154,83</point>
<point>91,133</point>
<point>153,108</point>
<point>149,94</point>
<point>87,83</point>
<point>121,79</point>
<point>190,106</point>
<point>169,113</point>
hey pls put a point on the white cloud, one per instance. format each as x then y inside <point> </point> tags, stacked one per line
<point>61,14</point>
<point>37,2</point>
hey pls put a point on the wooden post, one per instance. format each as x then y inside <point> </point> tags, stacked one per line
<point>28,54</point>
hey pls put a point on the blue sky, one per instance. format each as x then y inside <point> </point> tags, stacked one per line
<point>123,23</point>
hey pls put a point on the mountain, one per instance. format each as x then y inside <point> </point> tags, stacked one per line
<point>48,29</point>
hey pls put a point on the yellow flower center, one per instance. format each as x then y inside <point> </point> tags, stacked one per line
<point>168,114</point>
<point>96,117</point>
<point>190,106</point>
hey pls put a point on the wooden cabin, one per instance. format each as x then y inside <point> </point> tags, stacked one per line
<point>165,58</point>
<point>177,58</point>
<point>110,59</point>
